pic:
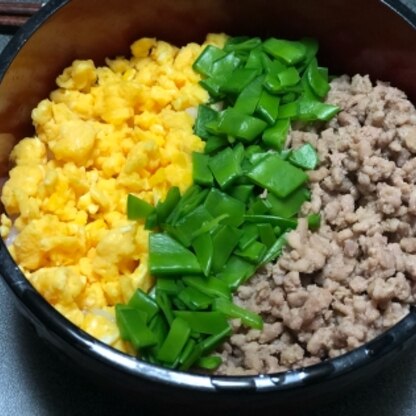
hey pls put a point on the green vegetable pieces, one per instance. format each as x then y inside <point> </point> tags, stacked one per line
<point>247,193</point>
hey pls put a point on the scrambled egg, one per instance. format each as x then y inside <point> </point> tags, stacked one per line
<point>104,133</point>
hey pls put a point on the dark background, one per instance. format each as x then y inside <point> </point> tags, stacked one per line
<point>34,381</point>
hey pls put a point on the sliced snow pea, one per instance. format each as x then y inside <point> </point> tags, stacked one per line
<point>288,77</point>
<point>238,80</point>
<point>236,271</point>
<point>213,86</point>
<point>324,72</point>
<point>289,110</point>
<point>204,116</point>
<point>275,250</point>
<point>277,175</point>
<point>257,157</point>
<point>266,233</point>
<point>231,310</point>
<point>208,56</point>
<point>186,226</point>
<point>223,228</point>
<point>311,46</point>
<point>194,299</point>
<point>165,305</point>
<point>187,352</point>
<point>272,66</point>
<point>268,106</point>
<point>275,136</point>
<point>138,208</point>
<point>219,203</point>
<point>211,286</point>
<point>143,302</point>
<point>290,205</point>
<point>215,143</point>
<point>290,52</point>
<point>225,167</point>
<point>314,221</point>
<point>253,253</point>
<point>273,220</point>
<point>190,200</point>
<point>135,330</point>
<point>241,192</point>
<point>164,208</point>
<point>210,226</point>
<point>254,58</point>
<point>177,234</point>
<point>239,125</point>
<point>288,97</point>
<point>272,83</point>
<point>210,323</point>
<point>242,43</point>
<point>220,69</point>
<point>259,206</point>
<point>249,234</point>
<point>247,100</point>
<point>310,110</point>
<point>209,363</point>
<point>179,304</point>
<point>239,152</point>
<point>305,157</point>
<point>201,173</point>
<point>317,81</point>
<point>160,328</point>
<point>213,341</point>
<point>169,258</point>
<point>151,221</point>
<point>167,285</point>
<point>204,251</point>
<point>175,341</point>
<point>224,241</point>
<point>225,65</point>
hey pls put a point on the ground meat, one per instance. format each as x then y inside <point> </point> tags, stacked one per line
<point>337,288</point>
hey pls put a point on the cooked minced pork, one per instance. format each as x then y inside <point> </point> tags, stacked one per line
<point>337,288</point>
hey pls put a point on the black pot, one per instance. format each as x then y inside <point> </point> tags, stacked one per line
<point>355,36</point>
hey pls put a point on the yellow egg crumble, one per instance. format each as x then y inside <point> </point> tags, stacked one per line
<point>104,133</point>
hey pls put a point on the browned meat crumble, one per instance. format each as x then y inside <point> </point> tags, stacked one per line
<point>337,288</point>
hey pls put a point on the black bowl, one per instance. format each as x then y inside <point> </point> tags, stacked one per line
<point>351,41</point>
